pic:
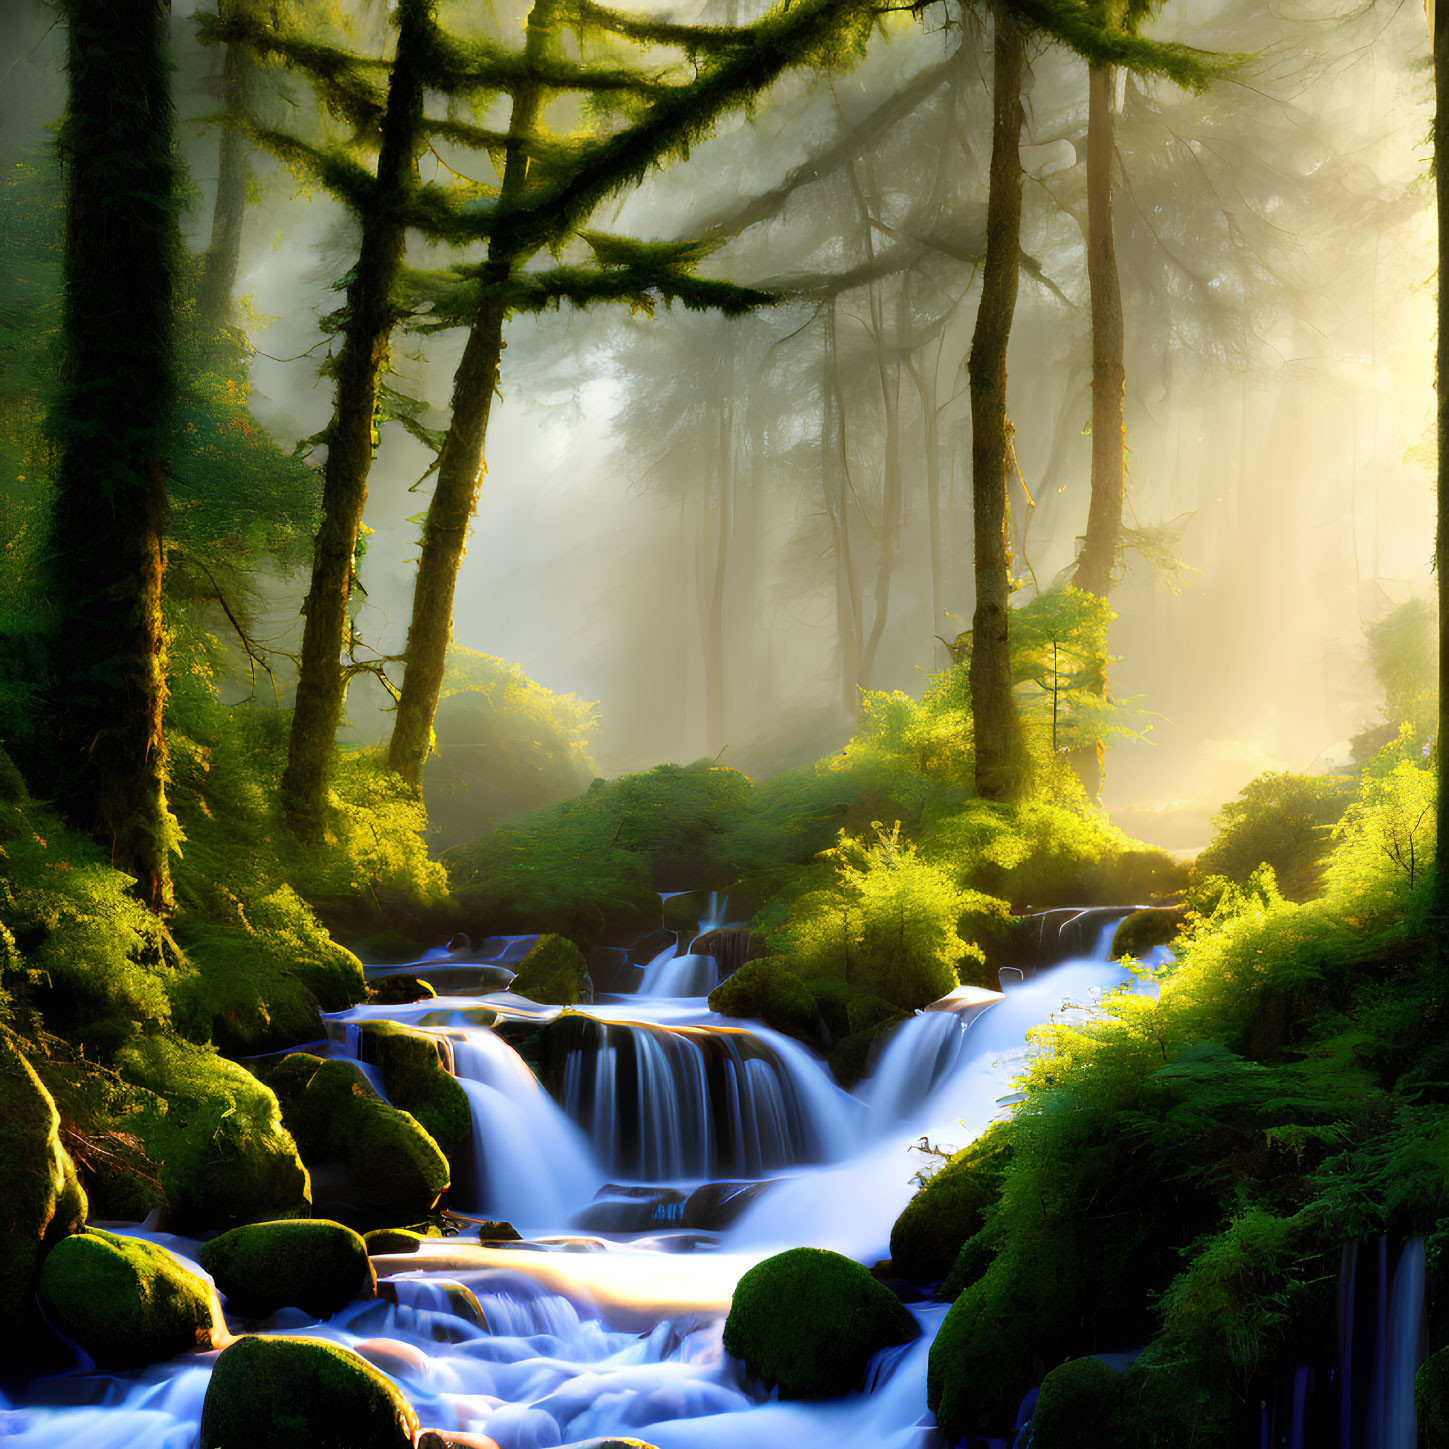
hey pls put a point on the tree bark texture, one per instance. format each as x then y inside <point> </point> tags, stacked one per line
<point>1104,518</point>
<point>994,719</point>
<point>111,422</point>
<point>461,466</point>
<point>359,368</point>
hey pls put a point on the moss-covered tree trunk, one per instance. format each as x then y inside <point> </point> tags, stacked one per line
<point>218,273</point>
<point>461,467</point>
<point>111,423</point>
<point>1440,910</point>
<point>359,367</point>
<point>1104,518</point>
<point>995,724</point>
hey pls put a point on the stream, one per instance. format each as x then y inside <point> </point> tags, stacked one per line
<point>682,1148</point>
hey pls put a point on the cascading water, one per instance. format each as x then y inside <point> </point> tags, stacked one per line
<point>590,1333</point>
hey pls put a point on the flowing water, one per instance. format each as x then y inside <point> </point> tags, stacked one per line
<point>676,1150</point>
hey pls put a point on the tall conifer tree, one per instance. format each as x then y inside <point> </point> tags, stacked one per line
<point>106,553</point>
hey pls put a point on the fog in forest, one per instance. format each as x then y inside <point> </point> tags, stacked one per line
<point>722,529</point>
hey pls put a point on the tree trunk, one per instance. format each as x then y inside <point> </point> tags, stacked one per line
<point>359,367</point>
<point>1439,913</point>
<point>461,466</point>
<point>218,273</point>
<point>106,553</point>
<point>1104,518</point>
<point>835,484</point>
<point>724,522</point>
<point>993,710</point>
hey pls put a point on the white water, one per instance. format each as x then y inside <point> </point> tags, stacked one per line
<point>578,1336</point>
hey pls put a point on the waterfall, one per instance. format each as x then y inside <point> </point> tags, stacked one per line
<point>685,975</point>
<point>663,1103</point>
<point>914,1060</point>
<point>533,1165</point>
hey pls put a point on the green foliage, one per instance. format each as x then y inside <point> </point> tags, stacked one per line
<point>1402,648</point>
<point>928,1236</point>
<point>1078,1406</point>
<point>767,990</point>
<point>886,925</point>
<point>585,868</point>
<point>1385,840</point>
<point>1431,1400</point>
<point>504,745</point>
<point>1283,819</point>
<point>808,1321</point>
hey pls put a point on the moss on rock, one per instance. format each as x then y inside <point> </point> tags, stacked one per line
<point>554,973</point>
<point>1431,1400</point>
<point>1078,1406</point>
<point>809,1320</point>
<point>126,1302</point>
<point>766,991</point>
<point>946,1212</point>
<point>217,1131</point>
<point>415,1079</point>
<point>390,1162</point>
<point>284,1393</point>
<point>41,1199</point>
<point>309,1263</point>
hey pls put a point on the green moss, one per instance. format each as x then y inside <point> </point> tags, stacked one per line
<point>127,1303</point>
<point>970,1266</point>
<point>767,991</point>
<point>400,991</point>
<point>808,1321</point>
<point>1078,1407</point>
<point>41,1200</point>
<point>391,1164</point>
<point>1140,932</point>
<point>316,1265</point>
<point>392,1240</point>
<point>217,1131</point>
<point>554,973</point>
<point>850,1057</point>
<point>1431,1400</point>
<point>281,1393</point>
<point>947,1211</point>
<point>415,1080</point>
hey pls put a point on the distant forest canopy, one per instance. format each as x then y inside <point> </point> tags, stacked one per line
<point>722,527</point>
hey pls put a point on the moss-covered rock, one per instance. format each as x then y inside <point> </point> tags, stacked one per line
<point>970,1266</point>
<point>554,973</point>
<point>217,1131</point>
<point>126,1302</point>
<point>1078,1406</point>
<point>392,1240</point>
<point>809,1320</point>
<point>946,1212</point>
<point>302,1393</point>
<point>41,1199</point>
<point>388,1162</point>
<point>415,1079</point>
<point>765,991</point>
<point>1143,930</point>
<point>401,990</point>
<point>309,1263</point>
<point>1431,1400</point>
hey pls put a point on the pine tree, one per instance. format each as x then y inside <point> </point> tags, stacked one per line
<point>106,548</point>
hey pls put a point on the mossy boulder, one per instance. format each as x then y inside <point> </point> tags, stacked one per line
<point>400,990</point>
<point>392,1240</point>
<point>41,1199</point>
<point>308,1263</point>
<point>217,1132</point>
<point>388,1162</point>
<point>126,1302</point>
<point>947,1211</point>
<point>1078,1406</point>
<point>1143,930</point>
<point>554,973</point>
<point>302,1393</point>
<point>1431,1400</point>
<point>809,1320</point>
<point>765,991</point>
<point>415,1079</point>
